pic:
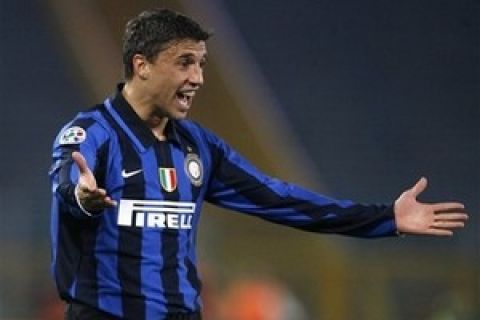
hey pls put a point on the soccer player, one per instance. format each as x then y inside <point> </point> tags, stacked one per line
<point>130,175</point>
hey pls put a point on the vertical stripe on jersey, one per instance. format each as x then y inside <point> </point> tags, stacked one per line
<point>170,246</point>
<point>192,192</point>
<point>87,282</point>
<point>187,287</point>
<point>152,285</point>
<point>130,238</point>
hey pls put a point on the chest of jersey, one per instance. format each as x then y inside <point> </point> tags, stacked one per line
<point>158,188</point>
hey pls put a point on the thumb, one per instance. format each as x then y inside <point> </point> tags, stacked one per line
<point>86,181</point>
<point>419,187</point>
<point>81,162</point>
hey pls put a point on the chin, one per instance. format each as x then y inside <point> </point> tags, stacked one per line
<point>179,116</point>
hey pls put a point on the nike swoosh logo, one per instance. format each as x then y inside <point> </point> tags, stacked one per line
<point>126,174</point>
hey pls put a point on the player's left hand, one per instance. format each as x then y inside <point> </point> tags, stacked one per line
<point>437,219</point>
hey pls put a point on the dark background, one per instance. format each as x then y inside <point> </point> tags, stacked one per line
<point>379,93</point>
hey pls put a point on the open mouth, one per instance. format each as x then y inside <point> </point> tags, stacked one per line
<point>185,98</point>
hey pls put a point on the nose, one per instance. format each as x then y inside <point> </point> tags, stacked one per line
<point>196,76</point>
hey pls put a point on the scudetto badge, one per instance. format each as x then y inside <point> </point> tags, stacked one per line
<point>73,135</point>
<point>194,169</point>
<point>168,178</point>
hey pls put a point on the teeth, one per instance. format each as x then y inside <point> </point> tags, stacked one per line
<point>183,99</point>
<point>187,93</point>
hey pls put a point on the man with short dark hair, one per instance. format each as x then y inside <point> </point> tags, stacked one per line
<point>130,176</point>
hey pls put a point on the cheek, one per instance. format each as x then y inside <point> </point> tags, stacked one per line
<point>168,81</point>
<point>161,86</point>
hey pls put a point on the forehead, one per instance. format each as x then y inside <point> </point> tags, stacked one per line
<point>184,47</point>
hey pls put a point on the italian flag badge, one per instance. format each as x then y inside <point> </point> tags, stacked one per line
<point>168,178</point>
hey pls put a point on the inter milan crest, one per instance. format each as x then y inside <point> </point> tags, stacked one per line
<point>168,178</point>
<point>194,169</point>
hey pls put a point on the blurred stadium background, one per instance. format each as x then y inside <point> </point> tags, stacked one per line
<point>356,99</point>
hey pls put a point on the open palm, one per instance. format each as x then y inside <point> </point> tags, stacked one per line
<point>91,197</point>
<point>439,219</point>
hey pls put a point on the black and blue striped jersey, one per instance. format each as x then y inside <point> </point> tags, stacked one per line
<point>137,260</point>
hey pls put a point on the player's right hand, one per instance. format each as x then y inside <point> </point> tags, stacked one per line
<point>90,197</point>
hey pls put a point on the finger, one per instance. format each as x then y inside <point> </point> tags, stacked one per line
<point>95,197</point>
<point>419,187</point>
<point>109,202</point>
<point>448,207</point>
<point>92,191</point>
<point>100,199</point>
<point>451,216</point>
<point>101,193</point>
<point>91,198</point>
<point>448,224</point>
<point>85,188</point>
<point>81,162</point>
<point>439,232</point>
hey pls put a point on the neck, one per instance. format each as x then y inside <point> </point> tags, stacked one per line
<point>145,109</point>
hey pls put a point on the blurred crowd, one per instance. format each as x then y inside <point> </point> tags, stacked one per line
<point>245,298</point>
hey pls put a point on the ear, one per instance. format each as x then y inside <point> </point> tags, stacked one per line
<point>141,67</point>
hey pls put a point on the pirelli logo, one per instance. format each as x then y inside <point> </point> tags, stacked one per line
<point>155,214</point>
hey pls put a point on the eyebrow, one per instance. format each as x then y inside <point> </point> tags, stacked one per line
<point>192,56</point>
<point>186,55</point>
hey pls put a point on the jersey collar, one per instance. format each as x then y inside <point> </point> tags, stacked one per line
<point>131,123</point>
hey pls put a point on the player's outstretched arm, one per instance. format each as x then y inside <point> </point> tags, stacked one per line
<point>89,196</point>
<point>438,219</point>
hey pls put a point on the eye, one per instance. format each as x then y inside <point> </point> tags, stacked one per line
<point>185,62</point>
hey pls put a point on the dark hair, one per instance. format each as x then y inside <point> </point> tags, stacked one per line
<point>148,32</point>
